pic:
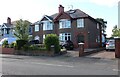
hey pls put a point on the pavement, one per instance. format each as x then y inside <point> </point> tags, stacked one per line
<point>90,53</point>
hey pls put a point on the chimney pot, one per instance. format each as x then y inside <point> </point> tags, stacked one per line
<point>61,9</point>
<point>9,20</point>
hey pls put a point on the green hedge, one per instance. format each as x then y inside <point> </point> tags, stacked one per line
<point>20,44</point>
<point>52,39</point>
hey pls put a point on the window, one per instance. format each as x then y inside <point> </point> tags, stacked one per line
<point>36,28</point>
<point>30,30</point>
<point>47,25</point>
<point>98,39</point>
<point>80,23</point>
<point>97,25</point>
<point>64,23</point>
<point>64,36</point>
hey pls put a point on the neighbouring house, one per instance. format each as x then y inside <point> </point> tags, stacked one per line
<point>74,25</point>
<point>7,29</point>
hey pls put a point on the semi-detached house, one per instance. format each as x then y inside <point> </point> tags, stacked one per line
<point>74,25</point>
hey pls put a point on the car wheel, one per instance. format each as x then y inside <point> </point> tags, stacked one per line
<point>106,49</point>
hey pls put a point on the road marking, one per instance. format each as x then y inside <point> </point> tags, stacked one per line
<point>116,70</point>
<point>51,64</point>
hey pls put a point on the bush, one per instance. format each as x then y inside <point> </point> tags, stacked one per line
<point>20,44</point>
<point>12,45</point>
<point>5,44</point>
<point>52,39</point>
<point>35,47</point>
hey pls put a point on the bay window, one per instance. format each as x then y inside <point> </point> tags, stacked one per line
<point>47,25</point>
<point>64,23</point>
<point>64,36</point>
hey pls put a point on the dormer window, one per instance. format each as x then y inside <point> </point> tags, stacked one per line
<point>64,23</point>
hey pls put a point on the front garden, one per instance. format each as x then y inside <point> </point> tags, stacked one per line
<point>22,45</point>
<point>50,47</point>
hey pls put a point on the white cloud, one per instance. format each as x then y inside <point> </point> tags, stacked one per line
<point>109,3</point>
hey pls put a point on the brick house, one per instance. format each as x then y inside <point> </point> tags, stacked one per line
<point>74,25</point>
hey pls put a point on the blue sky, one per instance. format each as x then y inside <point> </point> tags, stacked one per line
<point>33,10</point>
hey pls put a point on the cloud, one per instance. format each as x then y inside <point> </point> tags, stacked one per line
<point>109,3</point>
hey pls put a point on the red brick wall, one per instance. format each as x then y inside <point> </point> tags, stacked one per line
<point>8,50</point>
<point>117,48</point>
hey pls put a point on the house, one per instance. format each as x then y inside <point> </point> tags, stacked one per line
<point>6,29</point>
<point>74,25</point>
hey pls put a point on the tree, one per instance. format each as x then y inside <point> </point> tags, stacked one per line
<point>22,29</point>
<point>116,31</point>
<point>103,22</point>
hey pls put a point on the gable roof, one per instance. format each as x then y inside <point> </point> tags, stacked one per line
<point>73,14</point>
<point>47,17</point>
<point>62,13</point>
<point>7,25</point>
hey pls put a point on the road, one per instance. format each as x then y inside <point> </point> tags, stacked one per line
<point>58,66</point>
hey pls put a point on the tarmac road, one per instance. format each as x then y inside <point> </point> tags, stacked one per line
<point>25,65</point>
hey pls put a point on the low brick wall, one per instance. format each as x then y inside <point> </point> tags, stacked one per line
<point>37,53</point>
<point>8,50</point>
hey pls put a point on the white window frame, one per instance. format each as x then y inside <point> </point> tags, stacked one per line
<point>64,23</point>
<point>37,27</point>
<point>47,25</point>
<point>62,36</point>
<point>80,23</point>
<point>97,25</point>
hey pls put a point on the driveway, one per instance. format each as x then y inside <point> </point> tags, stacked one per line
<point>103,54</point>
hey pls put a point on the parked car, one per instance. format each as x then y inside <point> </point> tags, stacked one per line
<point>67,44</point>
<point>9,39</point>
<point>34,42</point>
<point>110,45</point>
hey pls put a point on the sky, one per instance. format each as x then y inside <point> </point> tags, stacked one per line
<point>34,10</point>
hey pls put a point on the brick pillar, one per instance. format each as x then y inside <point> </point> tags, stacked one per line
<point>117,47</point>
<point>52,50</point>
<point>81,49</point>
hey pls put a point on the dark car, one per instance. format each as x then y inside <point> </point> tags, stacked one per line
<point>67,44</point>
<point>34,42</point>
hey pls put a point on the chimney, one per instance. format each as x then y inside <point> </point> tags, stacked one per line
<point>61,9</point>
<point>9,20</point>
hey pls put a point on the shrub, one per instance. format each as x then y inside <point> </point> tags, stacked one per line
<point>25,47</point>
<point>12,45</point>
<point>52,39</point>
<point>20,44</point>
<point>5,44</point>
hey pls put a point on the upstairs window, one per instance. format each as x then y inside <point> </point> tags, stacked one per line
<point>97,25</point>
<point>47,25</point>
<point>36,28</point>
<point>80,23</point>
<point>64,23</point>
